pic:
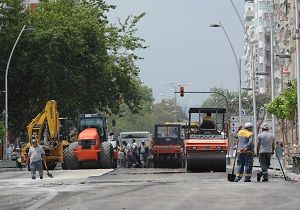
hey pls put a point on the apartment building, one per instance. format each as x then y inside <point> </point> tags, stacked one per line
<point>258,44</point>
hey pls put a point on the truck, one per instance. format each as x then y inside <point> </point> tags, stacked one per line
<point>206,144</point>
<point>139,136</point>
<point>92,148</point>
<point>47,129</point>
<point>168,145</point>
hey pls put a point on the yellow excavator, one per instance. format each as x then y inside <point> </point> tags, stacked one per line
<point>45,128</point>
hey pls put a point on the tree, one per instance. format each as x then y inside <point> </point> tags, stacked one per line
<point>284,107</point>
<point>2,130</point>
<point>216,100</point>
<point>136,120</point>
<point>151,114</point>
<point>74,56</point>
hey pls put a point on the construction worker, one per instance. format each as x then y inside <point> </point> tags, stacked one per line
<point>36,155</point>
<point>173,133</point>
<point>245,149</point>
<point>208,122</point>
<point>135,155</point>
<point>128,154</point>
<point>16,156</point>
<point>264,149</point>
<point>143,151</point>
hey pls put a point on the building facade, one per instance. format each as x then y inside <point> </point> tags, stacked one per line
<point>258,44</point>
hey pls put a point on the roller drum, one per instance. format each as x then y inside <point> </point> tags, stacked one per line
<point>206,161</point>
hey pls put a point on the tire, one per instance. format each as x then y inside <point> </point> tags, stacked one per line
<point>106,155</point>
<point>70,159</point>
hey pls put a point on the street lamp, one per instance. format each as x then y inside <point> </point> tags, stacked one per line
<point>238,65</point>
<point>175,103</point>
<point>254,106</point>
<point>254,99</point>
<point>6,89</point>
<point>272,63</point>
<point>297,66</point>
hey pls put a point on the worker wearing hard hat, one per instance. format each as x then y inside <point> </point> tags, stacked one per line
<point>208,122</point>
<point>144,151</point>
<point>264,149</point>
<point>245,153</point>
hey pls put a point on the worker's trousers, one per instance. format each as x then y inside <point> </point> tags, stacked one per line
<point>264,161</point>
<point>36,166</point>
<point>244,164</point>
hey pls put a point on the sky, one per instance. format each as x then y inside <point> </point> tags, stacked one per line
<point>183,49</point>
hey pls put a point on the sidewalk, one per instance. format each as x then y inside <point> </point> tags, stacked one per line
<point>288,173</point>
<point>3,170</point>
<point>8,166</point>
<point>275,170</point>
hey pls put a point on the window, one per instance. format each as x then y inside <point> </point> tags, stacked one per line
<point>267,39</point>
<point>268,55</point>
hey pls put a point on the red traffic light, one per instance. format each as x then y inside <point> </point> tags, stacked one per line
<point>181,89</point>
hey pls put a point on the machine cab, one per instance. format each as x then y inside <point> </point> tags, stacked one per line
<point>97,121</point>
<point>167,134</point>
<point>206,122</point>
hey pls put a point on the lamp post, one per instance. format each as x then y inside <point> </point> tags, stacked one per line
<point>297,66</point>
<point>253,96</point>
<point>272,63</point>
<point>175,103</point>
<point>6,89</point>
<point>238,65</point>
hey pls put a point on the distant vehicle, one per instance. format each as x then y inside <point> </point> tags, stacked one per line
<point>167,146</point>
<point>137,135</point>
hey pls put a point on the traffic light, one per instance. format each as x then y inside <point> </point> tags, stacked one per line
<point>181,89</point>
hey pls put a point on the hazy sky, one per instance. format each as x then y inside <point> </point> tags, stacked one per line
<point>182,47</point>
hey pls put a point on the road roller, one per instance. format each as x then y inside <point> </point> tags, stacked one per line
<point>206,143</point>
<point>168,146</point>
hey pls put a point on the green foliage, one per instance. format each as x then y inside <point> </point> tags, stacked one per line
<point>217,101</point>
<point>148,116</point>
<point>2,130</point>
<point>74,56</point>
<point>284,106</point>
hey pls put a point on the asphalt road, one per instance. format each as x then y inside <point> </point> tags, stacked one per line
<point>143,189</point>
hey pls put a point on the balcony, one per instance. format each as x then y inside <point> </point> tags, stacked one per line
<point>268,63</point>
<point>267,46</point>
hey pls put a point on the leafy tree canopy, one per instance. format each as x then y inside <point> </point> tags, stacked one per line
<point>74,56</point>
<point>2,130</point>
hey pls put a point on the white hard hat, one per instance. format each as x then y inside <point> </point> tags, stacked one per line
<point>248,125</point>
<point>265,126</point>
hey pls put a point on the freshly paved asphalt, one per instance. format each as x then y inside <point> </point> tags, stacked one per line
<point>143,189</point>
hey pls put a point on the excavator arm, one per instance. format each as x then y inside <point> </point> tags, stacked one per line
<point>45,129</point>
<point>49,117</point>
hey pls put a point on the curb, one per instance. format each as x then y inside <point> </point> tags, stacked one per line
<point>3,170</point>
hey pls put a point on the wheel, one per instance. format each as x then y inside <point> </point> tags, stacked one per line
<point>187,166</point>
<point>70,159</point>
<point>106,155</point>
